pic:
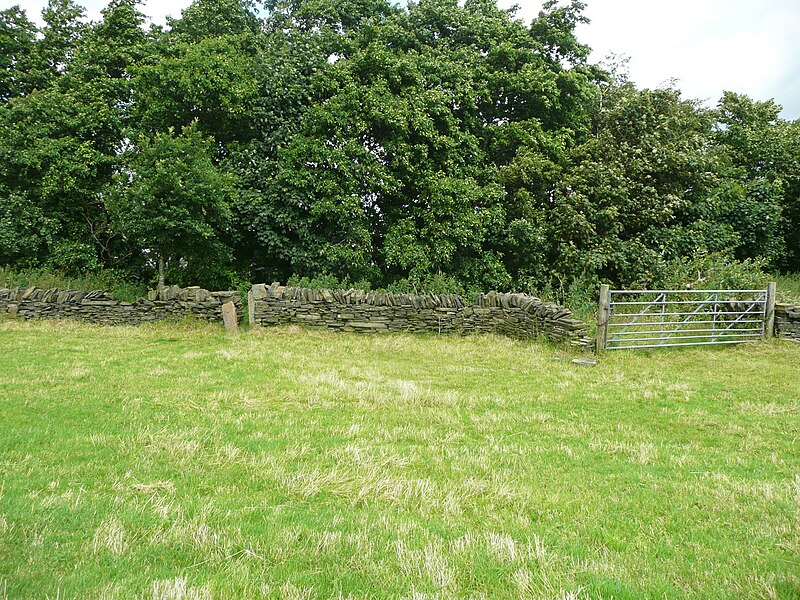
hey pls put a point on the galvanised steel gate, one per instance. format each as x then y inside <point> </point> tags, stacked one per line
<point>629,319</point>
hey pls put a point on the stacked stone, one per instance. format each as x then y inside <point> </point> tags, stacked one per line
<point>100,306</point>
<point>191,301</point>
<point>787,321</point>
<point>514,315</point>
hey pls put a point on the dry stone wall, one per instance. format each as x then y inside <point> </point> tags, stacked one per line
<point>787,321</point>
<point>514,315</point>
<point>101,307</point>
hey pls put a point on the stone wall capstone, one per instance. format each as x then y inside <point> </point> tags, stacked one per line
<point>514,315</point>
<point>787,321</point>
<point>100,306</point>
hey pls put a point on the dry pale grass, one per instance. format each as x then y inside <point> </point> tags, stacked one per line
<point>179,589</point>
<point>110,536</point>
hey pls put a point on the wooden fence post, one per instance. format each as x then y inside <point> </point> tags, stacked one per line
<point>769,310</point>
<point>603,309</point>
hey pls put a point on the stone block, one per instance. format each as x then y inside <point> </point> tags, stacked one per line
<point>229,318</point>
<point>310,317</point>
<point>366,325</point>
<point>259,291</point>
<point>251,308</point>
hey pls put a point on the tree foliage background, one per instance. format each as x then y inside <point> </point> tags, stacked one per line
<point>441,144</point>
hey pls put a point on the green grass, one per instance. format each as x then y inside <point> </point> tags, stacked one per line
<point>788,287</point>
<point>174,462</point>
<point>127,291</point>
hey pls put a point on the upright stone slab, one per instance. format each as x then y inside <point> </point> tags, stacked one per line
<point>229,317</point>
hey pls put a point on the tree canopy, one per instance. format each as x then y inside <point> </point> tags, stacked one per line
<point>439,143</point>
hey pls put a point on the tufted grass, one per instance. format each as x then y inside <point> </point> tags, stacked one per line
<point>173,462</point>
<point>788,288</point>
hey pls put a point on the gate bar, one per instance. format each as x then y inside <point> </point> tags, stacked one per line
<point>685,291</point>
<point>658,300</point>
<point>691,337</point>
<point>679,322</point>
<point>680,314</point>
<point>683,344</point>
<point>716,329</point>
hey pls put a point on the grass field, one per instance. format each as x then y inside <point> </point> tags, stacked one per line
<point>172,462</point>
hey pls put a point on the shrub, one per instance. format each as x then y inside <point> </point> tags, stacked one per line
<point>714,271</point>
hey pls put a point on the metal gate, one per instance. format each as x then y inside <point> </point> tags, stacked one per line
<point>629,319</point>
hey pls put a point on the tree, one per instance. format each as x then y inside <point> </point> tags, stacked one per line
<point>49,159</point>
<point>789,134</point>
<point>203,70</point>
<point>204,19</point>
<point>275,234</point>
<point>634,194</point>
<point>174,203</point>
<point>17,53</point>
<point>60,144</point>
<point>444,140</point>
<point>396,169</point>
<point>30,59</point>
<point>758,161</point>
<point>210,81</point>
<point>61,35</point>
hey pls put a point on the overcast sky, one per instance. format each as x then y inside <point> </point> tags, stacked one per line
<point>746,46</point>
